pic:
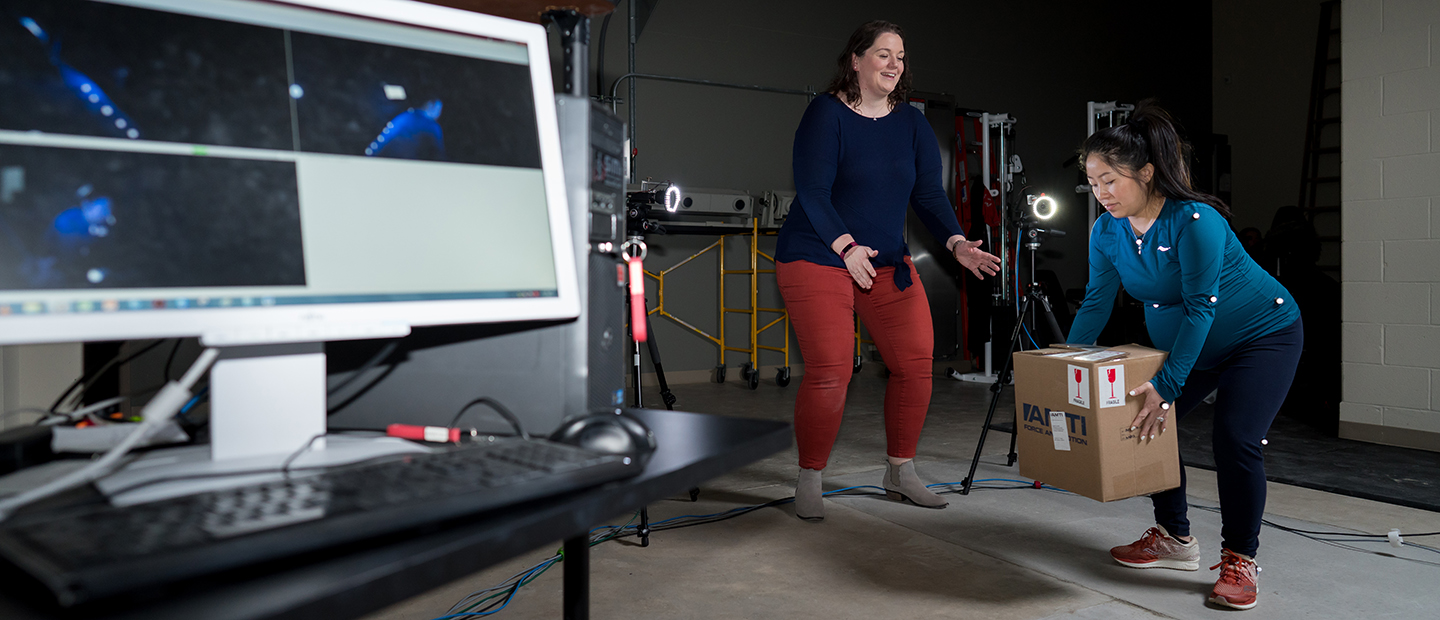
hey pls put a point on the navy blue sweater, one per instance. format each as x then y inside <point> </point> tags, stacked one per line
<point>856,175</point>
<point>1203,295</point>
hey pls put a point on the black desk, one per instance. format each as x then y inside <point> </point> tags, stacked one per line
<point>349,583</point>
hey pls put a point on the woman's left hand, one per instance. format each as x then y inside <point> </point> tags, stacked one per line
<point>1153,412</point>
<point>976,260</point>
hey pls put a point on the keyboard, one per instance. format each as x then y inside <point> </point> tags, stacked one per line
<point>89,553</point>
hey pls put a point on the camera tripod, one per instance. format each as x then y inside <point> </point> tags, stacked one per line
<point>1034,298</point>
<point>665,395</point>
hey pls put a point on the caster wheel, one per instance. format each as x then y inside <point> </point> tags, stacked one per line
<point>750,375</point>
<point>720,373</point>
<point>745,370</point>
<point>782,377</point>
<point>859,362</point>
<point>754,379</point>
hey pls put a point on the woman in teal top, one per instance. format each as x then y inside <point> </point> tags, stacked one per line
<point>1225,322</point>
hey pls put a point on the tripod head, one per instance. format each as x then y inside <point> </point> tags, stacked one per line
<point>1033,235</point>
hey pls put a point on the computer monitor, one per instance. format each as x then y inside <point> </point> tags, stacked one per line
<point>270,175</point>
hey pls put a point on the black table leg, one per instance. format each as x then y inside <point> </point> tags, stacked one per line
<point>577,578</point>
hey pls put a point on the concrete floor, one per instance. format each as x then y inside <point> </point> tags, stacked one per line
<point>1021,554</point>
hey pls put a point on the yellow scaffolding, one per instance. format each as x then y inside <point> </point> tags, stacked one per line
<point>750,370</point>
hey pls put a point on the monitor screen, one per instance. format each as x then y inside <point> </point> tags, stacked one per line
<point>247,171</point>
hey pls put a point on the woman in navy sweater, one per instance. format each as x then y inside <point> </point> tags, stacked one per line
<point>861,155</point>
<point>1226,323</point>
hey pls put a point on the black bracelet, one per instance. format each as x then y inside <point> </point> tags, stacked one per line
<point>846,252</point>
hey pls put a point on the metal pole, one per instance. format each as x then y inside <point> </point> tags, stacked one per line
<point>1090,197</point>
<point>985,151</point>
<point>1001,168</point>
<point>577,578</point>
<point>630,101</point>
<point>615,86</point>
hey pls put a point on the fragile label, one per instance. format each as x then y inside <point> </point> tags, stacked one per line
<point>1112,386</point>
<point>1058,431</point>
<point>1078,379</point>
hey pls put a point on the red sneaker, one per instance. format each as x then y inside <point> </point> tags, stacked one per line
<point>1239,583</point>
<point>1156,549</point>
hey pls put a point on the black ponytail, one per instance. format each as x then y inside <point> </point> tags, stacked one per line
<point>1150,137</point>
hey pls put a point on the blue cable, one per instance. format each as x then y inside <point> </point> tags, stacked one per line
<point>195,399</point>
<point>539,568</point>
<point>1027,333</point>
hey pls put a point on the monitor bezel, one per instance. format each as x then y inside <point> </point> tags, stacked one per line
<point>282,323</point>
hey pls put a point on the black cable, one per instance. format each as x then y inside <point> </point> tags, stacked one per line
<point>498,603</point>
<point>374,361</point>
<point>171,360</point>
<point>1310,534</point>
<point>362,391</point>
<point>499,408</point>
<point>1291,529</point>
<point>600,63</point>
<point>285,466</point>
<point>85,381</point>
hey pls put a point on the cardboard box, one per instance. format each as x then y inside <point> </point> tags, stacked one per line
<point>1072,422</point>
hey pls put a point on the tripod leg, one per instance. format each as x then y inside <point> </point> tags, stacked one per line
<point>1013,456</point>
<point>644,527</point>
<point>995,390</point>
<point>665,394</point>
<point>1055,333</point>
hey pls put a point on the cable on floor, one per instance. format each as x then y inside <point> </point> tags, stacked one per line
<point>509,587</point>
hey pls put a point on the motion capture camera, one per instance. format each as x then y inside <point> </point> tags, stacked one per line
<point>652,196</point>
<point>1042,208</point>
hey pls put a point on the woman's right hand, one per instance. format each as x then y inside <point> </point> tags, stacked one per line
<point>858,262</point>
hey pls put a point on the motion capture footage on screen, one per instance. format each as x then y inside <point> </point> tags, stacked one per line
<point>210,153</point>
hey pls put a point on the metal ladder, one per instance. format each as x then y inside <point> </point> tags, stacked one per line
<point>1320,174</point>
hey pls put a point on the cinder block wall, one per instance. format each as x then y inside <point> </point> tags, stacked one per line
<point>1391,222</point>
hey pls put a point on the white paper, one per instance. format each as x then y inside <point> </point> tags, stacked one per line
<point>1078,380</point>
<point>1058,431</point>
<point>1112,385</point>
<point>1099,356</point>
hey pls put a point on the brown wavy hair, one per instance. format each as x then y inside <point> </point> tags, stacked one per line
<point>846,84</point>
<point>1150,137</point>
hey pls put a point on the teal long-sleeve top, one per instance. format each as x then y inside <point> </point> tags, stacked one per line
<point>1204,297</point>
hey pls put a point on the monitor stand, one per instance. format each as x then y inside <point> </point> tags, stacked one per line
<point>267,421</point>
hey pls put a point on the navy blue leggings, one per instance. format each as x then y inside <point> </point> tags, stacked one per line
<point>1253,382</point>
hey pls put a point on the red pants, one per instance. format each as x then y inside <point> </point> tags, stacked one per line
<point>823,302</point>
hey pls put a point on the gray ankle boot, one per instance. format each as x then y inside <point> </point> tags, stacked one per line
<point>901,483</point>
<point>808,504</point>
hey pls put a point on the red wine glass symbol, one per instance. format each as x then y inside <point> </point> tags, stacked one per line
<point>1111,374</point>
<point>1077,383</point>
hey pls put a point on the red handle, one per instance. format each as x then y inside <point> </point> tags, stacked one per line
<point>637,299</point>
<point>435,434</point>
